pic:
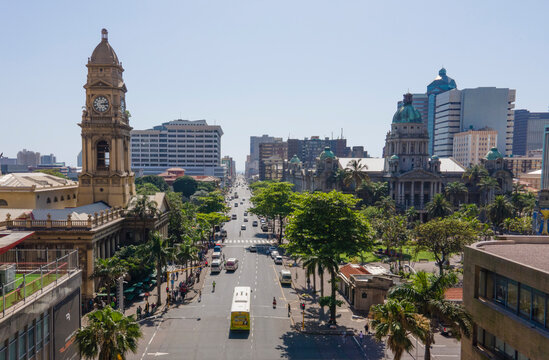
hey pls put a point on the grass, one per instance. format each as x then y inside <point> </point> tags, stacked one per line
<point>33,284</point>
<point>408,252</point>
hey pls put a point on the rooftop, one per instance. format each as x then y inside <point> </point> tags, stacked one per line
<point>37,180</point>
<point>531,251</point>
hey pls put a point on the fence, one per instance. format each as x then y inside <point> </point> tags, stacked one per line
<point>32,276</point>
<point>95,220</point>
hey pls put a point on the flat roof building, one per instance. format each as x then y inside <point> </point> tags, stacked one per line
<point>506,291</point>
<point>472,145</point>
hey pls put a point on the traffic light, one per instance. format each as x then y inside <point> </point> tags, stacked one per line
<point>302,306</point>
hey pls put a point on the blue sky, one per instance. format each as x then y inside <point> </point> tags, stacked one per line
<point>297,68</point>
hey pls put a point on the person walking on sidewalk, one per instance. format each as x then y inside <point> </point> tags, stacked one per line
<point>289,309</point>
<point>199,295</point>
<point>344,337</point>
<point>361,337</point>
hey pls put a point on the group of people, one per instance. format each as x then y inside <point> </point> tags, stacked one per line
<point>149,309</point>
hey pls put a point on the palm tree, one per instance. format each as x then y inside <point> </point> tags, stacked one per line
<point>355,173</point>
<point>486,185</point>
<point>108,271</point>
<point>518,188</point>
<point>426,292</point>
<point>396,320</point>
<point>108,335</point>
<point>144,209</point>
<point>499,210</point>
<point>438,207</point>
<point>474,173</point>
<point>185,252</point>
<point>157,250</point>
<point>454,191</point>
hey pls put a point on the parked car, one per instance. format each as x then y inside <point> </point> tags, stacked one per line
<point>278,260</point>
<point>270,249</point>
<point>233,216</point>
<point>245,213</point>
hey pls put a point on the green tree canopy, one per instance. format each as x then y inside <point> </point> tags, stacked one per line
<point>438,207</point>
<point>445,237</point>
<point>212,202</point>
<point>499,210</point>
<point>147,189</point>
<point>185,185</point>
<point>158,251</point>
<point>54,172</point>
<point>327,225</point>
<point>156,180</point>
<point>213,219</point>
<point>108,335</point>
<point>108,271</point>
<point>455,191</point>
<point>355,174</point>
<point>370,192</point>
<point>274,201</point>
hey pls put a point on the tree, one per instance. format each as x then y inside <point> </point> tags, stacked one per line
<point>157,250</point>
<point>108,271</point>
<point>213,219</point>
<point>370,192</point>
<point>426,292</point>
<point>155,180</point>
<point>396,320</point>
<point>274,201</point>
<point>108,335</point>
<point>144,209</point>
<point>327,225</point>
<point>455,191</point>
<point>474,173</point>
<point>213,202</point>
<point>185,185</point>
<point>185,252</point>
<point>147,189</point>
<point>206,186</point>
<point>393,231</point>
<point>438,207</point>
<point>444,237</point>
<point>355,173</point>
<point>54,172</point>
<point>499,210</point>
<point>486,186</point>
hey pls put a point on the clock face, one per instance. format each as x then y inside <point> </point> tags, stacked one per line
<point>101,104</point>
<point>122,105</point>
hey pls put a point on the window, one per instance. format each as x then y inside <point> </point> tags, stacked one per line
<point>48,201</point>
<point>103,157</point>
<point>538,307</point>
<point>55,199</point>
<point>3,202</point>
<point>22,344</point>
<point>62,198</point>
<point>512,295</point>
<point>13,349</point>
<point>38,335</point>
<point>525,301</point>
<point>46,329</point>
<point>30,340</point>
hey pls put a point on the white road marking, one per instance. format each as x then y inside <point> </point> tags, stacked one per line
<point>152,337</point>
<point>157,354</point>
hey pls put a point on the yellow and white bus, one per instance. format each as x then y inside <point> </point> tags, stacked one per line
<point>240,309</point>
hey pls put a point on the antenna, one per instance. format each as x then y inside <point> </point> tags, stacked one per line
<point>342,133</point>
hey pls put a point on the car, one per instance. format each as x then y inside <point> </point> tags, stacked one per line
<point>254,223</point>
<point>264,228</point>
<point>236,204</point>
<point>223,233</point>
<point>233,217</point>
<point>271,248</point>
<point>216,266</point>
<point>245,219</point>
<point>245,213</point>
<point>253,248</point>
<point>446,330</point>
<point>278,259</point>
<point>231,264</point>
<point>274,254</point>
<point>243,227</point>
<point>216,255</point>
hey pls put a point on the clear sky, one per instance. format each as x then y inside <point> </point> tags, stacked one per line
<point>297,68</point>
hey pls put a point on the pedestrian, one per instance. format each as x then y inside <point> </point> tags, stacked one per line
<point>289,310</point>
<point>361,337</point>
<point>147,308</point>
<point>199,295</point>
<point>367,329</point>
<point>138,312</point>
<point>344,337</point>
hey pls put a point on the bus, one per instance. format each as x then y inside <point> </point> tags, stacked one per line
<point>240,309</point>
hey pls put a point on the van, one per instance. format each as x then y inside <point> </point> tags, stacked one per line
<point>231,264</point>
<point>216,255</point>
<point>285,277</point>
<point>217,265</point>
<point>217,248</point>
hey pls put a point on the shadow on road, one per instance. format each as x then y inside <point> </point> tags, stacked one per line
<point>242,335</point>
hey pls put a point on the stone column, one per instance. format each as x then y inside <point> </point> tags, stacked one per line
<point>102,249</point>
<point>421,194</point>
<point>412,192</point>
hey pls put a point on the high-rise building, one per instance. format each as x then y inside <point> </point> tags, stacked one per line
<point>441,84</point>
<point>459,110</point>
<point>528,131</point>
<point>231,166</point>
<point>28,158</point>
<point>307,149</point>
<point>271,160</point>
<point>48,159</point>
<point>545,160</point>
<point>192,145</point>
<point>472,145</point>
<point>252,164</point>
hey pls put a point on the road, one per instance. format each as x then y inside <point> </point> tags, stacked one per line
<point>200,330</point>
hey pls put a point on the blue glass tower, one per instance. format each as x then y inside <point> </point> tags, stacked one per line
<point>442,83</point>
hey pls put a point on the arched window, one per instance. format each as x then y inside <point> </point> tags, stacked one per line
<point>62,198</point>
<point>103,157</point>
<point>3,202</point>
<point>74,196</point>
<point>48,201</point>
<point>55,199</point>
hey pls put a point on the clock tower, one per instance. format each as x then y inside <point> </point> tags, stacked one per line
<point>106,169</point>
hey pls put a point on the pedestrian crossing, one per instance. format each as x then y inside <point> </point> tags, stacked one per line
<point>248,241</point>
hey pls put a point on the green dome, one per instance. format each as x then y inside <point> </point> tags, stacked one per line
<point>493,154</point>
<point>407,113</point>
<point>327,153</point>
<point>394,157</point>
<point>434,157</point>
<point>295,160</point>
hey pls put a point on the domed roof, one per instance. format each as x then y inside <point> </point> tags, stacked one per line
<point>327,153</point>
<point>407,113</point>
<point>394,157</point>
<point>434,157</point>
<point>104,54</point>
<point>295,160</point>
<point>493,154</point>
<point>441,83</point>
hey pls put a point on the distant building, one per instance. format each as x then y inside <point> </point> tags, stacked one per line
<point>522,164</point>
<point>472,145</point>
<point>231,167</point>
<point>28,158</point>
<point>48,159</point>
<point>505,289</point>
<point>171,174</point>
<point>252,164</point>
<point>528,131</point>
<point>8,161</point>
<point>193,145</point>
<point>79,159</point>
<point>307,149</point>
<point>420,103</point>
<point>531,179</point>
<point>459,110</point>
<point>272,157</point>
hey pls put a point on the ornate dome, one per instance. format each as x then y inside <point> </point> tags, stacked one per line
<point>327,153</point>
<point>493,154</point>
<point>394,157</point>
<point>434,157</point>
<point>295,160</point>
<point>104,54</point>
<point>407,113</point>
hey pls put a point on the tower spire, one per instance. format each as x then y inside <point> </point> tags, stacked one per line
<point>104,35</point>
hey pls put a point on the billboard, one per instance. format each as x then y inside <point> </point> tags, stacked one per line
<point>66,321</point>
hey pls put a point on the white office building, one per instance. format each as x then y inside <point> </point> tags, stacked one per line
<point>460,110</point>
<point>192,145</point>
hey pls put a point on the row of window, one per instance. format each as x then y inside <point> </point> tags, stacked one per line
<point>520,299</point>
<point>29,340</point>
<point>62,198</point>
<point>497,346</point>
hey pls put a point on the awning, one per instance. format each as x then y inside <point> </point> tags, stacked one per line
<point>10,239</point>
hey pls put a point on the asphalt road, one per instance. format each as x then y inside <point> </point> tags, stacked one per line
<point>200,330</point>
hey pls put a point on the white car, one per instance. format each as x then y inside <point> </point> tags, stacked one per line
<point>278,260</point>
<point>274,254</point>
<point>216,266</point>
<point>231,264</point>
<point>216,255</point>
<point>243,227</point>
